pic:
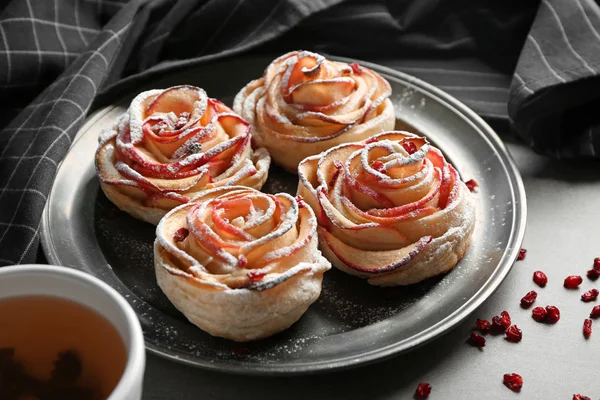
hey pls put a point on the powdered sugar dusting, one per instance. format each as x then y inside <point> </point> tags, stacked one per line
<point>136,113</point>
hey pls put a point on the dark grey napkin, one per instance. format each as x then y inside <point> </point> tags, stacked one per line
<point>528,63</point>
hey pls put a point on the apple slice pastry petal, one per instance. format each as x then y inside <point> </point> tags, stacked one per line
<point>172,144</point>
<point>390,209</point>
<point>305,104</point>
<point>238,263</point>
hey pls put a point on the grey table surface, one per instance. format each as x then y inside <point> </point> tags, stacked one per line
<point>563,237</point>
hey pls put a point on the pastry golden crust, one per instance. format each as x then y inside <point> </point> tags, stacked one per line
<point>172,144</point>
<point>391,209</point>
<point>238,263</point>
<point>305,104</point>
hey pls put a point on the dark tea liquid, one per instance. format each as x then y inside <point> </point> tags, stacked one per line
<point>41,330</point>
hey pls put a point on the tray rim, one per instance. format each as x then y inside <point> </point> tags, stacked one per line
<point>502,269</point>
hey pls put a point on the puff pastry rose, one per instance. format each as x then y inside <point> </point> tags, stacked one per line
<point>172,144</point>
<point>391,209</point>
<point>305,104</point>
<point>239,263</point>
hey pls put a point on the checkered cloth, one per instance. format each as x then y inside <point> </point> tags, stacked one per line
<point>531,64</point>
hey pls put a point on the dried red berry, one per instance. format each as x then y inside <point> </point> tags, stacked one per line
<point>423,390</point>
<point>597,263</point>
<point>513,381</point>
<point>595,312</point>
<point>572,281</point>
<point>357,69</point>
<point>553,314</point>
<point>593,274</point>
<point>540,278</point>
<point>587,328</point>
<point>256,276</point>
<point>497,324</point>
<point>522,254</point>
<point>300,201</point>
<point>500,323</point>
<point>590,295</point>
<point>472,185</point>
<point>378,166</point>
<point>371,140</point>
<point>483,325</point>
<point>528,299</point>
<point>513,334</point>
<point>410,147</point>
<point>181,234</point>
<point>505,319</point>
<point>476,340</point>
<point>242,261</point>
<point>580,397</point>
<point>539,314</point>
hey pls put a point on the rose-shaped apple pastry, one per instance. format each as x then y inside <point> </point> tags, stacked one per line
<point>305,104</point>
<point>238,263</point>
<point>172,144</point>
<point>391,209</point>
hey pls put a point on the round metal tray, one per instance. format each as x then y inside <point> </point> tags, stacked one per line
<point>352,323</point>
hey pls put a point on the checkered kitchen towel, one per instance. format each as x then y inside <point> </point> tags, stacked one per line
<point>528,63</point>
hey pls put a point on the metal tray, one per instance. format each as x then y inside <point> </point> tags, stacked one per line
<point>352,323</point>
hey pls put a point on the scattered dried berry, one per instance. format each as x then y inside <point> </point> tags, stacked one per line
<point>595,312</point>
<point>502,322</point>
<point>513,334</point>
<point>497,324</point>
<point>423,390</point>
<point>590,295</point>
<point>573,281</point>
<point>513,381</point>
<point>378,166</point>
<point>410,147</point>
<point>357,69</point>
<point>528,299</point>
<point>505,319</point>
<point>181,234</point>
<point>300,200</point>
<point>540,278</point>
<point>483,325</point>
<point>593,274</point>
<point>476,340</point>
<point>522,254</point>
<point>587,328</point>
<point>472,185</point>
<point>597,263</point>
<point>256,276</point>
<point>242,261</point>
<point>553,314</point>
<point>539,314</point>
<point>580,397</point>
